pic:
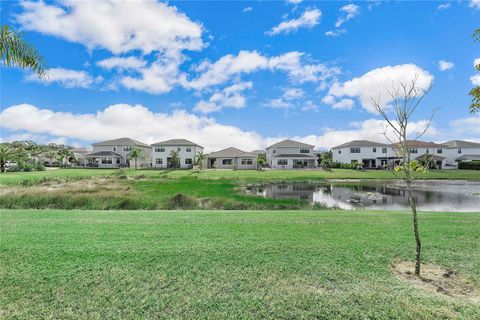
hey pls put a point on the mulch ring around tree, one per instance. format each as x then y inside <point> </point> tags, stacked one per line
<point>434,278</point>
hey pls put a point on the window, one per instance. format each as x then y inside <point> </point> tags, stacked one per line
<point>374,149</point>
<point>339,151</point>
<point>413,150</point>
<point>282,162</point>
<point>188,161</point>
<point>355,150</point>
<point>159,149</point>
<point>227,162</point>
<point>384,150</point>
<point>274,151</point>
<point>159,161</point>
<point>188,149</point>
<point>459,150</point>
<point>439,150</point>
<point>127,148</point>
<point>247,162</point>
<point>304,150</point>
<point>106,160</point>
<point>428,151</point>
<point>114,149</point>
<point>179,149</point>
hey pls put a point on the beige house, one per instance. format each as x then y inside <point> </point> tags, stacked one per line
<point>114,154</point>
<point>232,158</point>
<point>290,154</point>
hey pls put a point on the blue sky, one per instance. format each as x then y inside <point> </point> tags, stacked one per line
<point>241,74</point>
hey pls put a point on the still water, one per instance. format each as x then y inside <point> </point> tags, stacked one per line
<point>385,195</point>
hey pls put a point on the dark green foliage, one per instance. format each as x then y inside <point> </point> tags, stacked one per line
<point>469,165</point>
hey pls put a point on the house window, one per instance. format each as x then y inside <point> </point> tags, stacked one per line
<point>247,162</point>
<point>127,148</point>
<point>159,161</point>
<point>374,149</point>
<point>188,149</point>
<point>159,149</point>
<point>188,161</point>
<point>227,162</point>
<point>282,162</point>
<point>179,149</point>
<point>274,151</point>
<point>304,150</point>
<point>339,151</point>
<point>355,150</point>
<point>413,150</point>
<point>439,150</point>
<point>114,149</point>
<point>106,160</point>
<point>428,151</point>
<point>459,150</point>
<point>384,150</point>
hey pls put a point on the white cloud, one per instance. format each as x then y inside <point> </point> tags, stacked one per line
<point>278,103</point>
<point>475,4</point>
<point>293,93</point>
<point>309,19</point>
<point>122,63</point>
<point>374,84</point>
<point>443,6</point>
<point>445,65</point>
<point>294,1</point>
<point>348,12</point>
<point>335,33</point>
<point>118,26</point>
<point>476,62</point>
<point>136,121</point>
<point>309,106</point>
<point>247,9</point>
<point>475,80</point>
<point>230,97</point>
<point>66,77</point>
<point>344,104</point>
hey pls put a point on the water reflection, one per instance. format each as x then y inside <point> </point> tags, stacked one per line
<point>386,195</point>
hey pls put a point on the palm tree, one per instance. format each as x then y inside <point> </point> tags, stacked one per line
<point>135,154</point>
<point>200,159</point>
<point>6,154</point>
<point>15,51</point>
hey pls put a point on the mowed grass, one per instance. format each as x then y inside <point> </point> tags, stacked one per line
<point>228,264</point>
<point>10,178</point>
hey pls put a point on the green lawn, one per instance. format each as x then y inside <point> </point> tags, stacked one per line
<point>228,265</point>
<point>249,175</point>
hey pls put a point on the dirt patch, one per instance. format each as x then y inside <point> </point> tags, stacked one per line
<point>437,279</point>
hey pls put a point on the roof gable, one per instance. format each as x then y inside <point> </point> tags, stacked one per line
<point>227,153</point>
<point>121,141</point>
<point>176,142</point>
<point>288,143</point>
<point>360,143</point>
<point>462,144</point>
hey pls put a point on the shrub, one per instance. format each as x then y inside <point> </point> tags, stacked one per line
<point>469,165</point>
<point>181,201</point>
<point>39,166</point>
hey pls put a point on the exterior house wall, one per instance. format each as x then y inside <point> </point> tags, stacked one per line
<point>453,153</point>
<point>183,154</point>
<point>273,158</point>
<point>141,163</point>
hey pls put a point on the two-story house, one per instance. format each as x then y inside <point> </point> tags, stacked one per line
<point>371,154</point>
<point>459,150</point>
<point>187,152</point>
<point>290,154</point>
<point>114,154</point>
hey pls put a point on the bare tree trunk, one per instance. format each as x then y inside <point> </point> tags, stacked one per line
<point>418,247</point>
<point>135,163</point>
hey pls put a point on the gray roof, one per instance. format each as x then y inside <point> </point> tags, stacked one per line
<point>103,154</point>
<point>176,142</point>
<point>248,155</point>
<point>468,157</point>
<point>258,151</point>
<point>121,142</point>
<point>432,157</point>
<point>227,153</point>
<point>361,143</point>
<point>462,144</point>
<point>290,143</point>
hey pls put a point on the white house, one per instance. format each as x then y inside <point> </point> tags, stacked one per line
<point>371,154</point>
<point>187,151</point>
<point>458,150</point>
<point>232,158</point>
<point>290,154</point>
<point>114,154</point>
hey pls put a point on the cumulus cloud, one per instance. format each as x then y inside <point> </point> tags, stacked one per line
<point>122,63</point>
<point>375,83</point>
<point>29,122</point>
<point>230,97</point>
<point>445,65</point>
<point>348,12</point>
<point>293,93</point>
<point>475,80</point>
<point>476,62</point>
<point>247,9</point>
<point>118,26</point>
<point>309,19</point>
<point>66,78</point>
<point>344,104</point>
<point>475,4</point>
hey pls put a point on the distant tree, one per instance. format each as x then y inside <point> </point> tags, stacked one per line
<point>6,154</point>
<point>62,155</point>
<point>325,159</point>
<point>475,92</point>
<point>15,51</point>
<point>200,159</point>
<point>50,155</point>
<point>135,154</point>
<point>174,159</point>
<point>261,161</point>
<point>406,97</point>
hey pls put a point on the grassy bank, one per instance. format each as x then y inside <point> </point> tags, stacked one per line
<point>235,264</point>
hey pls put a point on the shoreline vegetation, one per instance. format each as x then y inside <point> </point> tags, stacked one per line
<point>110,189</point>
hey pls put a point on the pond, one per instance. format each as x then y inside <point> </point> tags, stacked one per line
<point>431,195</point>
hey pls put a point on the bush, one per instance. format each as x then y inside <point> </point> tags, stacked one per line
<point>469,165</point>
<point>181,201</point>
<point>39,166</point>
